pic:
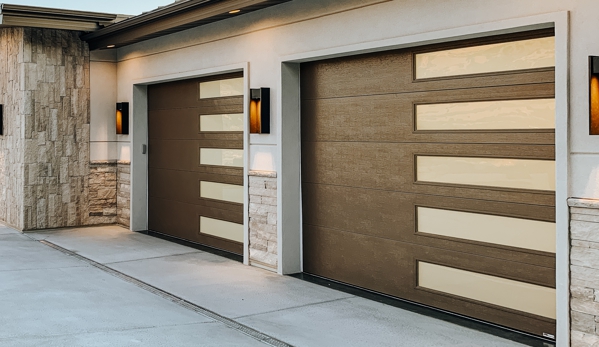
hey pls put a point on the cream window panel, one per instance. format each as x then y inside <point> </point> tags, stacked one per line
<point>506,231</point>
<point>222,88</point>
<point>221,191</point>
<point>490,172</point>
<point>487,115</point>
<point>498,57</point>
<point>222,122</point>
<point>222,229</point>
<point>221,157</point>
<point>512,294</point>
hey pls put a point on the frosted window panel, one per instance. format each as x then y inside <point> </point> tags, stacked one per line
<point>222,88</point>
<point>222,229</point>
<point>222,122</point>
<point>221,191</point>
<point>506,231</point>
<point>507,56</point>
<point>221,157</point>
<point>491,172</point>
<point>487,115</point>
<point>512,294</point>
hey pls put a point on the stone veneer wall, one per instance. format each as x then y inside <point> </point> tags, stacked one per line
<point>44,182</point>
<point>102,193</point>
<point>263,219</point>
<point>584,272</point>
<point>12,142</point>
<point>124,193</point>
<point>109,193</point>
<point>56,96</point>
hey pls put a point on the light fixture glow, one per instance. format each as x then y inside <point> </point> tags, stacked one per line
<point>234,11</point>
<point>260,111</point>
<point>110,46</point>
<point>594,95</point>
<point>122,118</point>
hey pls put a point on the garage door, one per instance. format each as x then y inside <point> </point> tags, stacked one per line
<point>428,174</point>
<point>196,160</point>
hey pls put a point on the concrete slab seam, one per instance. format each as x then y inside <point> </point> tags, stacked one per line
<point>266,339</point>
<point>296,307</point>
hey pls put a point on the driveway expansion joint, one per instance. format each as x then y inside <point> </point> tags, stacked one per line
<point>266,339</point>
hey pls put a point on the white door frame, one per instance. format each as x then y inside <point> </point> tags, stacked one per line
<point>139,138</point>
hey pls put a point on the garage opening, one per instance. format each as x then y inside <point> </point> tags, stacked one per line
<point>428,174</point>
<point>196,159</point>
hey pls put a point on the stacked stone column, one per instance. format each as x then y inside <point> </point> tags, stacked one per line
<point>263,219</point>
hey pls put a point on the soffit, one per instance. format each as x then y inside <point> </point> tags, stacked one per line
<point>178,16</point>
<point>42,17</point>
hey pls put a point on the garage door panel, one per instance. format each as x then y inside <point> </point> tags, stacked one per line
<point>233,104</point>
<point>196,169</point>
<point>184,185</point>
<point>174,218</point>
<point>168,154</point>
<point>390,215</point>
<point>378,74</point>
<point>390,166</point>
<point>220,243</point>
<point>221,178</point>
<point>392,265</point>
<point>221,170</point>
<point>368,165</point>
<point>392,269</point>
<point>381,74</point>
<point>168,125</point>
<point>380,118</point>
<point>173,95</point>
<point>392,118</point>
<point>221,140</point>
<point>451,172</point>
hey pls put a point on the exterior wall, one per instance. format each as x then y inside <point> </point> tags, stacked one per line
<point>12,143</point>
<point>45,179</point>
<point>123,193</point>
<point>56,132</point>
<point>102,193</point>
<point>263,219</point>
<point>584,259</point>
<point>299,30</point>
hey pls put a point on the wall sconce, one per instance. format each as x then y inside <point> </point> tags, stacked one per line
<point>594,95</point>
<point>122,118</point>
<point>260,111</point>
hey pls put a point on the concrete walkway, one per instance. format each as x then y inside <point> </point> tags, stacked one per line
<point>48,298</point>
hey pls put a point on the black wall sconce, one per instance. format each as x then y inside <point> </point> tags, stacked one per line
<point>122,118</point>
<point>594,95</point>
<point>1,120</point>
<point>260,111</point>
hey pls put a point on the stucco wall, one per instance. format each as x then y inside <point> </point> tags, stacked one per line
<point>263,37</point>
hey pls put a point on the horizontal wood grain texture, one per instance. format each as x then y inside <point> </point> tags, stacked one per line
<point>175,173</point>
<point>359,188</point>
<point>389,267</point>
<point>390,166</point>
<point>390,118</point>
<point>391,215</point>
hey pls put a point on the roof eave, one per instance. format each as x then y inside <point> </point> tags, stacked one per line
<point>170,19</point>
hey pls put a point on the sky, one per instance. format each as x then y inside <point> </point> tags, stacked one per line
<point>132,7</point>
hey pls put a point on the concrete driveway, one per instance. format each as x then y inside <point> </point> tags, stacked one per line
<point>120,288</point>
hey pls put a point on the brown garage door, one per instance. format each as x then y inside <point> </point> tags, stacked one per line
<point>196,160</point>
<point>428,174</point>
